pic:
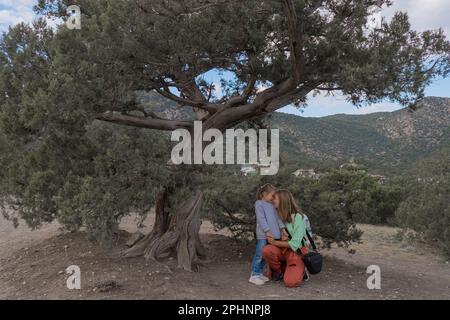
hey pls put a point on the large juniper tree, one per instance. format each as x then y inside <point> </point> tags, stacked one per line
<point>55,86</point>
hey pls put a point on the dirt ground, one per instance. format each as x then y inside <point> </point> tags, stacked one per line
<point>33,263</point>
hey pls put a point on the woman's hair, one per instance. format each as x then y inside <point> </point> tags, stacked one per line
<point>288,206</point>
<point>264,189</point>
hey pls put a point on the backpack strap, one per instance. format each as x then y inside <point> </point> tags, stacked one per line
<point>311,241</point>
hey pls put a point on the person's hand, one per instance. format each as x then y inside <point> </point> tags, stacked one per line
<point>270,240</point>
<point>269,235</point>
<point>284,235</point>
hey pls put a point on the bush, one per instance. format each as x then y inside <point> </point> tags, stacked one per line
<point>353,192</point>
<point>426,208</point>
<point>427,211</point>
<point>91,180</point>
<point>232,206</point>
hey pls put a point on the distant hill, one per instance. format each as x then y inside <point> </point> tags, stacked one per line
<point>385,142</point>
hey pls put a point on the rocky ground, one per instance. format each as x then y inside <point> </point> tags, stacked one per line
<point>32,266</point>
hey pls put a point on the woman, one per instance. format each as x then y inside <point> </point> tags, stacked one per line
<point>282,256</point>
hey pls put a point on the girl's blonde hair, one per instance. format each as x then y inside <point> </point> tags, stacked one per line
<point>264,189</point>
<point>288,206</point>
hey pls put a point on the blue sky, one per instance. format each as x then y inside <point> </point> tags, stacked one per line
<point>424,14</point>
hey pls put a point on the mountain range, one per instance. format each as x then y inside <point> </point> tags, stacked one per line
<point>385,143</point>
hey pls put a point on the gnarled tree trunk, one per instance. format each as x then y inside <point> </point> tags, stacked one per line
<point>174,233</point>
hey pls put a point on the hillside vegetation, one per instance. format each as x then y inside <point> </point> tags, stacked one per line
<point>387,142</point>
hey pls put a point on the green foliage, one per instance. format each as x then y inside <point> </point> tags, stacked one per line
<point>59,162</point>
<point>427,208</point>
<point>427,211</point>
<point>334,203</point>
<point>387,143</point>
<point>341,198</point>
<point>92,183</point>
<point>142,43</point>
<point>230,204</point>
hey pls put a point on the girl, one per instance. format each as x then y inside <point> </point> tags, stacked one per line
<point>268,226</point>
<point>281,255</point>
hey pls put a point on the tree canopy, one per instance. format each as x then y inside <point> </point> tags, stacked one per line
<point>58,85</point>
<point>289,47</point>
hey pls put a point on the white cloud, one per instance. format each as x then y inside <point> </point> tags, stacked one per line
<point>15,11</point>
<point>10,17</point>
<point>217,89</point>
<point>18,3</point>
<point>424,14</point>
<point>323,105</point>
<point>262,88</point>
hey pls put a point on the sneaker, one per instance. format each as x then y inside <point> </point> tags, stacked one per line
<point>256,280</point>
<point>264,278</point>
